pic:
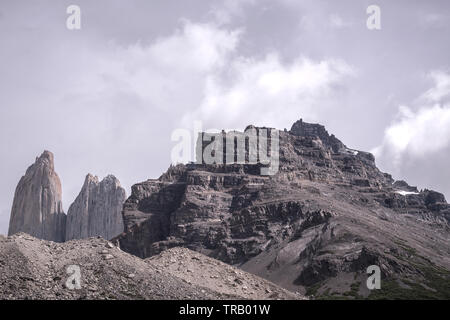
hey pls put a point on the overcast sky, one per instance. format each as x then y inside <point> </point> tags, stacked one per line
<point>106,98</point>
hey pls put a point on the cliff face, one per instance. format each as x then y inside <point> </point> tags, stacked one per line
<point>97,211</point>
<point>37,207</point>
<point>316,225</point>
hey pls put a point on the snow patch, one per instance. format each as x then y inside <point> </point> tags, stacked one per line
<point>405,193</point>
<point>349,151</point>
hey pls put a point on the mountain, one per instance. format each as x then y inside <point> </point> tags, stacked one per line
<point>97,211</point>
<point>37,269</point>
<point>37,207</point>
<point>314,226</point>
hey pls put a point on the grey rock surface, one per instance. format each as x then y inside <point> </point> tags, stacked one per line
<point>37,207</point>
<point>97,210</point>
<point>31,268</point>
<point>314,227</point>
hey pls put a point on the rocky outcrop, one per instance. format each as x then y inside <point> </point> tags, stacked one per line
<point>316,224</point>
<point>97,211</point>
<point>304,129</point>
<point>37,207</point>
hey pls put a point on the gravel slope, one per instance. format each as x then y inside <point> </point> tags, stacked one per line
<point>195,268</point>
<point>37,269</point>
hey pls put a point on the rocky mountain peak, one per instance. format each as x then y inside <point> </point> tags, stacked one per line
<point>97,210</point>
<point>112,181</point>
<point>37,206</point>
<point>46,157</point>
<point>44,161</point>
<point>90,179</point>
<point>301,128</point>
<point>322,219</point>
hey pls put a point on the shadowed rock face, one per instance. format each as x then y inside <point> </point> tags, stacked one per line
<point>318,223</point>
<point>97,211</point>
<point>37,207</point>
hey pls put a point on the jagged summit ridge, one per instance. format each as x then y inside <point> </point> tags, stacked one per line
<point>322,219</point>
<point>46,158</point>
<point>301,128</point>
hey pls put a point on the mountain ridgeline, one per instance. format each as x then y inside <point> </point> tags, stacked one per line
<point>313,227</point>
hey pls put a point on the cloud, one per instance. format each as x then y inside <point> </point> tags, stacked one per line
<point>433,20</point>
<point>162,73</point>
<point>95,103</point>
<point>270,92</point>
<point>336,21</point>
<point>198,74</point>
<point>230,9</point>
<point>421,132</point>
<point>441,90</point>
